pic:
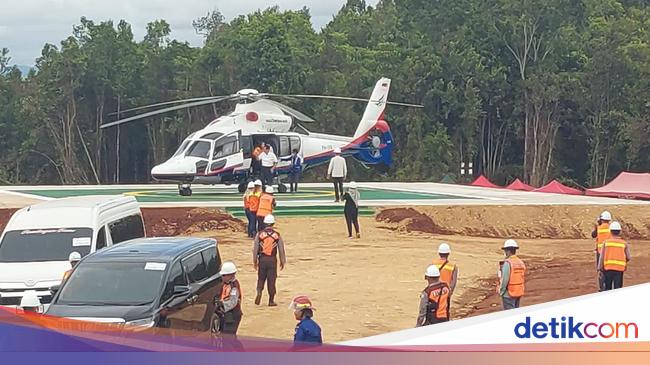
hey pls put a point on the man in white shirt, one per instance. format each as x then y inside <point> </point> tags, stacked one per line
<point>268,160</point>
<point>338,171</point>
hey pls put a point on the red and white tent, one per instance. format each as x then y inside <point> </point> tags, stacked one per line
<point>626,185</point>
<point>519,185</point>
<point>483,182</point>
<point>558,188</point>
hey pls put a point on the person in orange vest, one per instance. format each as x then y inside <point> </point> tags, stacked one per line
<point>265,207</point>
<point>228,303</point>
<point>74,259</point>
<point>266,246</point>
<point>434,299</point>
<point>614,258</point>
<point>250,210</point>
<point>448,270</point>
<point>511,276</point>
<point>601,233</point>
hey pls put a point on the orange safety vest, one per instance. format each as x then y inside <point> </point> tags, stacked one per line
<point>446,271</point>
<point>247,198</point>
<point>253,202</point>
<point>439,294</point>
<point>266,205</point>
<point>268,239</point>
<point>227,288</point>
<point>66,275</point>
<point>517,277</point>
<point>615,258</point>
<point>602,234</point>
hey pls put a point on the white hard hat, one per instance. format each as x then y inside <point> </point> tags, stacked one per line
<point>269,189</point>
<point>251,185</point>
<point>615,226</point>
<point>432,272</point>
<point>606,216</point>
<point>337,151</point>
<point>444,248</point>
<point>74,256</point>
<point>510,244</point>
<point>258,183</point>
<point>352,185</point>
<point>228,268</point>
<point>30,300</point>
<point>269,219</point>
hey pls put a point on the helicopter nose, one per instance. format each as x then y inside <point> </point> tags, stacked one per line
<point>173,170</point>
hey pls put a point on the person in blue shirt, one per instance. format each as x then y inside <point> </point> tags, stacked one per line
<point>307,330</point>
<point>295,170</point>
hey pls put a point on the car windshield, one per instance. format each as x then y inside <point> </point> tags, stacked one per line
<point>44,244</point>
<point>113,283</point>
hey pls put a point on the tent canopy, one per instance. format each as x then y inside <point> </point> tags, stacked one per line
<point>625,185</point>
<point>483,182</point>
<point>519,185</point>
<point>558,188</point>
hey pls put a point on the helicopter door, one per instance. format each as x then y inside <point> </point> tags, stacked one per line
<point>227,153</point>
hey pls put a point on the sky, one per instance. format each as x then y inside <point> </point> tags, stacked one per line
<point>27,25</point>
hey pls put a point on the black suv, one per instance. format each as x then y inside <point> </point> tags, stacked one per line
<point>145,282</point>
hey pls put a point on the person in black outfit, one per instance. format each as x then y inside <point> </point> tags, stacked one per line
<point>351,210</point>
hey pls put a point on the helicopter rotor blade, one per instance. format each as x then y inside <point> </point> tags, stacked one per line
<point>166,110</point>
<point>164,103</point>
<point>347,98</point>
<point>291,111</point>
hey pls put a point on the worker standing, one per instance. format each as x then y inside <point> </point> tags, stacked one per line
<point>228,304</point>
<point>251,202</point>
<point>448,270</point>
<point>601,233</point>
<point>511,276</point>
<point>73,259</point>
<point>434,299</point>
<point>256,164</point>
<point>266,246</point>
<point>337,171</point>
<point>269,160</point>
<point>265,206</point>
<point>351,209</point>
<point>307,330</point>
<point>614,258</point>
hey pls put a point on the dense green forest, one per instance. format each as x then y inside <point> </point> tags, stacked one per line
<point>538,89</point>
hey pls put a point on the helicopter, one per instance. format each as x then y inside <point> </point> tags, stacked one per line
<point>221,152</point>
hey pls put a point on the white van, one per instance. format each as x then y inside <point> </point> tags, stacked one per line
<point>38,239</point>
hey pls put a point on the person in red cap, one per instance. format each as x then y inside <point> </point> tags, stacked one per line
<point>307,331</point>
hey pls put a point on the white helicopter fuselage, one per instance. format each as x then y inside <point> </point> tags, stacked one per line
<point>222,151</point>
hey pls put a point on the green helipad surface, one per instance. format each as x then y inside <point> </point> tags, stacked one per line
<point>207,194</point>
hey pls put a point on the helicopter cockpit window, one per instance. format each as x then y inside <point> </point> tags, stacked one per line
<point>199,149</point>
<point>181,149</point>
<point>225,147</point>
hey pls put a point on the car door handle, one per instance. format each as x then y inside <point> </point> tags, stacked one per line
<point>193,299</point>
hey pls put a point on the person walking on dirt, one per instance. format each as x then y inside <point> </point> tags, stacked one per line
<point>265,206</point>
<point>337,170</point>
<point>307,331</point>
<point>251,203</point>
<point>614,258</point>
<point>601,234</point>
<point>448,270</point>
<point>295,170</point>
<point>269,160</point>
<point>351,209</point>
<point>266,246</point>
<point>228,303</point>
<point>434,299</point>
<point>511,276</point>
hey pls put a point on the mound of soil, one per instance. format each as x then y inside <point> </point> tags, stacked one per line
<point>186,221</point>
<point>558,222</point>
<point>5,214</point>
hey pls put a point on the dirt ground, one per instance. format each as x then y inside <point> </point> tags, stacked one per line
<point>369,286</point>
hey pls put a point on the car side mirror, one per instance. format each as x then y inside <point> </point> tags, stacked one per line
<point>54,289</point>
